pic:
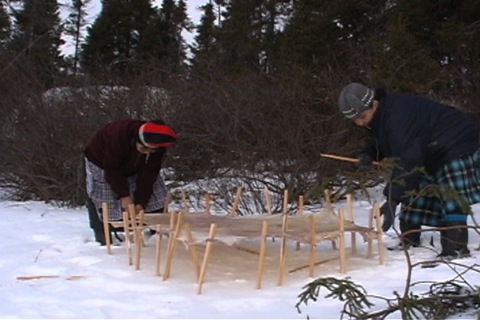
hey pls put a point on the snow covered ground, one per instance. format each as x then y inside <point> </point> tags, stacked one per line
<point>78,279</point>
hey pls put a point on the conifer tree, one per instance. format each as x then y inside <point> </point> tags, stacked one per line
<point>5,24</point>
<point>113,41</point>
<point>447,33</point>
<point>174,19</point>
<point>74,25</point>
<point>240,34</point>
<point>37,39</point>
<point>203,49</point>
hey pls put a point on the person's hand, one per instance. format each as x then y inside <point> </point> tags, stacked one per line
<point>388,212</point>
<point>125,202</point>
<point>138,208</point>
<point>365,161</point>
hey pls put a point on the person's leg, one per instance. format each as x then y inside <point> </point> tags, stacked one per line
<point>95,223</point>
<point>98,192</point>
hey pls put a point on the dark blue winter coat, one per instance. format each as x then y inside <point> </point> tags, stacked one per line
<point>419,132</point>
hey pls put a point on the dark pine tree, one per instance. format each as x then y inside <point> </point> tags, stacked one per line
<point>74,25</point>
<point>204,50</point>
<point>37,39</point>
<point>114,40</point>
<point>5,25</point>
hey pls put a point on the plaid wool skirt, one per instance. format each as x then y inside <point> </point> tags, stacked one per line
<point>100,191</point>
<point>452,189</point>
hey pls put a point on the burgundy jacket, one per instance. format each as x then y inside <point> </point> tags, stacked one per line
<point>113,148</point>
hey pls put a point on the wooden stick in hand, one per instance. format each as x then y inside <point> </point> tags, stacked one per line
<point>348,159</point>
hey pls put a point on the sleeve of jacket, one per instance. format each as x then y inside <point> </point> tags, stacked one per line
<point>405,175</point>
<point>146,178</point>
<point>371,149</point>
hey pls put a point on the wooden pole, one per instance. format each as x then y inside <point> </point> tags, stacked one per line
<point>343,254</point>
<point>172,245</point>
<point>299,213</point>
<point>166,203</point>
<point>347,159</point>
<point>350,217</point>
<point>236,201</point>
<point>328,201</point>
<point>311,228</point>
<point>128,244</point>
<point>203,270</point>
<point>381,256</point>
<point>268,200</point>
<point>136,228</point>
<point>261,257</point>
<point>184,200</point>
<point>207,204</point>
<point>283,251</point>
<point>300,205</point>
<point>106,229</point>
<point>308,265</point>
<point>191,249</point>
<point>141,217</point>
<point>371,214</point>
<point>158,248</point>
<point>285,201</point>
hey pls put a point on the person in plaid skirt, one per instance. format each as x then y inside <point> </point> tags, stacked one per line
<point>420,134</point>
<point>122,164</point>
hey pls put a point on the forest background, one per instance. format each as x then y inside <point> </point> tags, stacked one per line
<point>253,97</point>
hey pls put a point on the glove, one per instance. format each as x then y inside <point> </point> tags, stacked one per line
<point>365,161</point>
<point>388,212</point>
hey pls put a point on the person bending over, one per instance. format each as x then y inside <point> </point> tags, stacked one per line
<point>122,163</point>
<point>420,133</point>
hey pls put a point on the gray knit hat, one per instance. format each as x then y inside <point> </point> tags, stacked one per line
<point>354,99</point>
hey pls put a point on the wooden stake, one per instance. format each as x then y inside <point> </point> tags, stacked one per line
<point>203,270</point>
<point>299,213</point>
<point>128,244</point>
<point>311,228</point>
<point>158,247</point>
<point>191,249</point>
<point>381,256</point>
<point>300,206</point>
<point>343,254</point>
<point>371,214</point>
<point>328,201</point>
<point>353,235</point>
<point>137,236</point>
<point>172,245</point>
<point>261,257</point>
<point>236,201</point>
<point>106,229</point>
<point>141,217</point>
<point>283,251</point>
<point>347,159</point>
<point>285,201</point>
<point>166,203</point>
<point>207,203</point>
<point>268,201</point>
<point>308,265</point>
<point>184,200</point>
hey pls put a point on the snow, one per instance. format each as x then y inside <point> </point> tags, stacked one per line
<point>80,280</point>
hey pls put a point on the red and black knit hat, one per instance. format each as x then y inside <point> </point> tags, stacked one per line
<point>155,134</point>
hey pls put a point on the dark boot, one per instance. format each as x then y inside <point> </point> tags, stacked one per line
<point>411,239</point>
<point>454,241</point>
<point>461,246</point>
<point>448,246</point>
